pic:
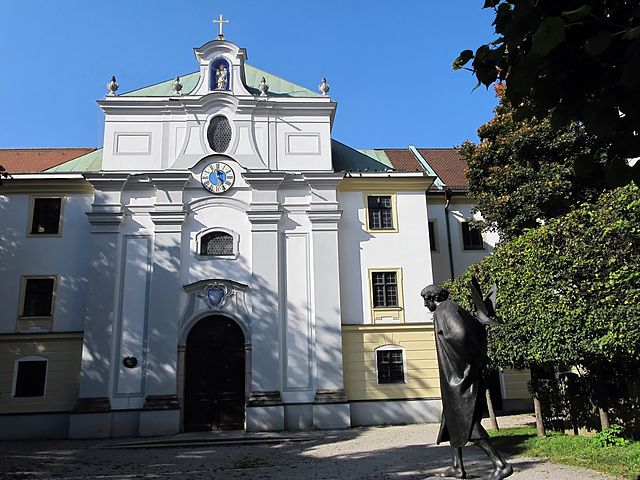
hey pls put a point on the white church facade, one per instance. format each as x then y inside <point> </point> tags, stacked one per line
<point>222,263</point>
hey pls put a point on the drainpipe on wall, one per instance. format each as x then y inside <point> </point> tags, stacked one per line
<point>447,195</point>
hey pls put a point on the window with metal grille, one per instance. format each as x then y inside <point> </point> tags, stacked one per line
<point>38,297</point>
<point>471,237</point>
<point>385,289</point>
<point>216,243</point>
<point>432,237</point>
<point>390,366</point>
<point>46,216</point>
<point>219,134</point>
<point>380,210</point>
<point>30,378</point>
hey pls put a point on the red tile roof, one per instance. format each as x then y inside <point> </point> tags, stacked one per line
<point>448,165</point>
<point>403,160</point>
<point>34,160</point>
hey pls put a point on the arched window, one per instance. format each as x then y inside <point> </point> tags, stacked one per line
<point>216,244</point>
<point>219,134</point>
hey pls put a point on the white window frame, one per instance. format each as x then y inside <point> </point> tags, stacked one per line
<point>30,358</point>
<point>236,244</point>
<point>404,363</point>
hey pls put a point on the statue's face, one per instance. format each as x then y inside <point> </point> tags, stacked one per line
<point>430,303</point>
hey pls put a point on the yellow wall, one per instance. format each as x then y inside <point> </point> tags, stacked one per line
<point>63,351</point>
<point>515,384</point>
<point>359,343</point>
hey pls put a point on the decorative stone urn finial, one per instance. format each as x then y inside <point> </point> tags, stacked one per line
<point>263,87</point>
<point>324,86</point>
<point>177,86</point>
<point>112,86</point>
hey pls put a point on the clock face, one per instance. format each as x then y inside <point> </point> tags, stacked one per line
<point>217,177</point>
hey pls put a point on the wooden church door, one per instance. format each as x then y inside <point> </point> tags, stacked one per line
<point>214,376</point>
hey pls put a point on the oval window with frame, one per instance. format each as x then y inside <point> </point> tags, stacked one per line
<point>219,134</point>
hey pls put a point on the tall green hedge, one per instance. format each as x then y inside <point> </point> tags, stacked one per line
<point>568,291</point>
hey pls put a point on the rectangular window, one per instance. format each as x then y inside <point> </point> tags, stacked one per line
<point>380,208</point>
<point>432,236</point>
<point>46,216</point>
<point>471,237</point>
<point>385,289</point>
<point>30,378</point>
<point>390,366</point>
<point>38,297</point>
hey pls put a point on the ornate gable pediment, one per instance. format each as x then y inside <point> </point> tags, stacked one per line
<point>221,69</point>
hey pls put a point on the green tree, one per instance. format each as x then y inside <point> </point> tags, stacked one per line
<point>569,293</point>
<point>524,172</point>
<point>576,59</point>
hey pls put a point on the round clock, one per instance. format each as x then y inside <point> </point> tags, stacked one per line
<point>217,177</point>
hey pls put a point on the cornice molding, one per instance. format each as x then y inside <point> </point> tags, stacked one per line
<point>42,337</point>
<point>46,186</point>
<point>390,183</point>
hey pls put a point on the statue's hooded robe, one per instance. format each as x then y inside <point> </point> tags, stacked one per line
<point>461,344</point>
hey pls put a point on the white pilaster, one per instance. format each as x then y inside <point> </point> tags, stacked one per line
<point>330,409</point>
<point>93,418</point>
<point>265,410</point>
<point>161,414</point>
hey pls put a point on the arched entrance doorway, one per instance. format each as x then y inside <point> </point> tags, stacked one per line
<point>214,393</point>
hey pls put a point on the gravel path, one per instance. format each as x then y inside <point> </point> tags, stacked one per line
<point>399,452</point>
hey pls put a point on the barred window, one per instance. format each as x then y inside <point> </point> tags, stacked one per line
<point>216,244</point>
<point>219,134</point>
<point>471,237</point>
<point>38,297</point>
<point>31,376</point>
<point>385,289</point>
<point>380,209</point>
<point>390,366</point>
<point>46,216</point>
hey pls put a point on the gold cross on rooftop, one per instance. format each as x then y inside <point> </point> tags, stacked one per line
<point>220,21</point>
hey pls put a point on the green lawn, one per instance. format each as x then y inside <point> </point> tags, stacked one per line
<point>570,450</point>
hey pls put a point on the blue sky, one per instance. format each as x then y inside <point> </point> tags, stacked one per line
<point>388,63</point>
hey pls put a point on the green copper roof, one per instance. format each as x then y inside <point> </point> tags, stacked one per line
<point>163,89</point>
<point>277,86</point>
<point>91,162</point>
<point>378,155</point>
<point>347,159</point>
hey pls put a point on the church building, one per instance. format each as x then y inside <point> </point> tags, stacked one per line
<point>223,263</point>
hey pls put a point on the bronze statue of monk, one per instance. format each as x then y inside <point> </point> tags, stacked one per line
<point>461,345</point>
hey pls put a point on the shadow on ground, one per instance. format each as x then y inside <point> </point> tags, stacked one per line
<point>360,453</point>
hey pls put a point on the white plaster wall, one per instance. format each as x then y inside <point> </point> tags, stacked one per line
<point>206,211</point>
<point>278,138</point>
<point>361,250</point>
<point>460,210</point>
<point>66,256</point>
<point>133,144</point>
<point>303,145</point>
<point>195,267</point>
